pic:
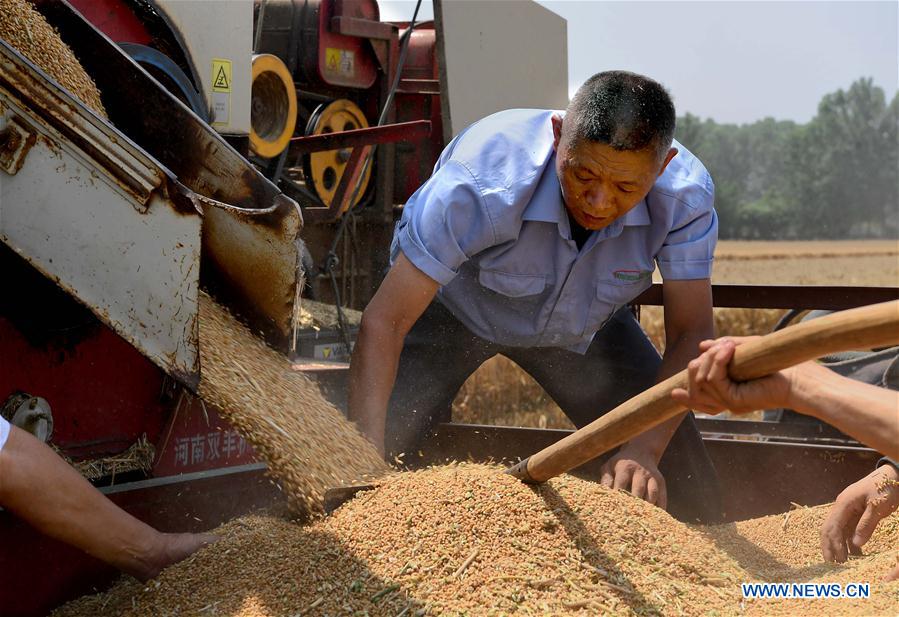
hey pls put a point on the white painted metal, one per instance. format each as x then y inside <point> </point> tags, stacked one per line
<point>499,54</point>
<point>218,30</point>
<point>96,214</point>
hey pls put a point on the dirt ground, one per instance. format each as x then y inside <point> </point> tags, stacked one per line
<point>501,393</point>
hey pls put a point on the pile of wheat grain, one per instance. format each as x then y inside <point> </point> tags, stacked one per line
<point>25,29</point>
<point>307,442</point>
<point>468,540</point>
<point>785,548</point>
<point>317,315</point>
<point>450,540</point>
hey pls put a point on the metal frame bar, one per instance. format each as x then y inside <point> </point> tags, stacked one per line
<point>361,141</point>
<point>400,131</point>
<point>781,431</point>
<point>831,298</point>
<point>363,28</point>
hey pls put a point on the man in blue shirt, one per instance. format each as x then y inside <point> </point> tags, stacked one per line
<point>529,239</point>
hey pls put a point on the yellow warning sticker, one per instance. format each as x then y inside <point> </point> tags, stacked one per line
<point>340,61</point>
<point>221,75</point>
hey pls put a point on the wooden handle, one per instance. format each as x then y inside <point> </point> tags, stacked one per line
<point>861,328</point>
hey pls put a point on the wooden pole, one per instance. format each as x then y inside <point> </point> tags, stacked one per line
<point>861,328</point>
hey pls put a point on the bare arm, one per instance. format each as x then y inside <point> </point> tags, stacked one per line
<point>688,321</point>
<point>45,491</point>
<point>402,297</point>
<point>868,413</point>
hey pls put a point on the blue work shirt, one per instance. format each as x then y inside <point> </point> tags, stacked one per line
<point>490,226</point>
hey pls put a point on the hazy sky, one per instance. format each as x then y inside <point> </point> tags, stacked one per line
<point>731,61</point>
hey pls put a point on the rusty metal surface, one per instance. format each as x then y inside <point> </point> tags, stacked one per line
<point>785,296</point>
<point>336,497</point>
<point>28,88</point>
<point>757,477</point>
<point>251,247</point>
<point>101,218</point>
<point>252,265</point>
<point>15,142</point>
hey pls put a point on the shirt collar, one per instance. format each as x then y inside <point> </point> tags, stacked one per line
<point>638,215</point>
<point>546,204</point>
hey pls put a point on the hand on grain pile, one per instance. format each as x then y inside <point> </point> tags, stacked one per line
<point>635,470</point>
<point>857,511</point>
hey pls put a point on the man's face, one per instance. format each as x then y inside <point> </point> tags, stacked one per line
<point>601,184</point>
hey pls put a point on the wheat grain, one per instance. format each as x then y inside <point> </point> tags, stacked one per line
<point>307,442</point>
<point>397,550</point>
<point>25,29</point>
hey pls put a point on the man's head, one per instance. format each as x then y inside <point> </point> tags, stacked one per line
<point>612,144</point>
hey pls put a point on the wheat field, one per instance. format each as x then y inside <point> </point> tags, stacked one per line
<point>501,393</point>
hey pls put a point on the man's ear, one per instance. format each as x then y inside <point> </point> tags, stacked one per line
<point>557,130</point>
<point>671,154</point>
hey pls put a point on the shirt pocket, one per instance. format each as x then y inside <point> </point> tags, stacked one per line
<point>512,285</point>
<point>610,296</point>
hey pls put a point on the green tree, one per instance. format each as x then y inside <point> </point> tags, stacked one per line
<point>847,161</point>
<point>835,177</point>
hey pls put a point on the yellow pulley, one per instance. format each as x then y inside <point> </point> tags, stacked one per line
<point>323,170</point>
<point>273,110</point>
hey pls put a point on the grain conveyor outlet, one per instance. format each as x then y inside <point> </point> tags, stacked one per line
<point>129,215</point>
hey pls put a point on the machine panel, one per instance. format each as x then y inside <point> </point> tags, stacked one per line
<point>94,213</point>
<point>487,65</point>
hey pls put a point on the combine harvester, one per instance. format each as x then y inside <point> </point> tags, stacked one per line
<point>257,177</point>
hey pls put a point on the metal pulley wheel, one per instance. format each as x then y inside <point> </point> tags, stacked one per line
<point>323,170</point>
<point>273,112</point>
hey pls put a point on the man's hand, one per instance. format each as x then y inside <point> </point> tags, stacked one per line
<point>856,512</point>
<point>636,471</point>
<point>710,390</point>
<point>688,320</point>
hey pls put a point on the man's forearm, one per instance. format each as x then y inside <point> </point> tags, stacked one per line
<point>866,412</point>
<point>675,359</point>
<point>372,375</point>
<point>400,300</point>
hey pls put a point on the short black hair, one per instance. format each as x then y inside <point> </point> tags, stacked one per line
<point>624,110</point>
